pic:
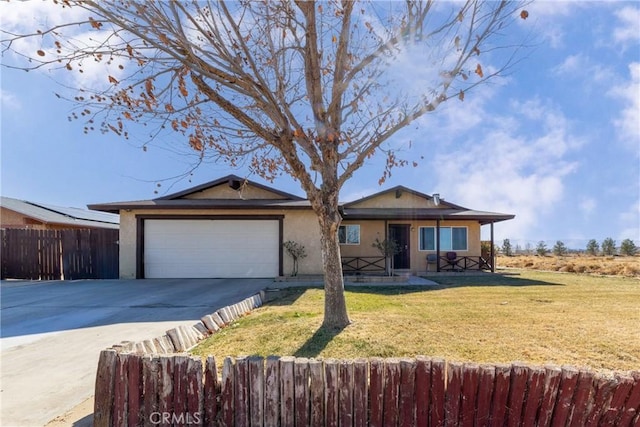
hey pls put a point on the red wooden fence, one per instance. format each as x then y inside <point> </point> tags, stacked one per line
<point>134,390</point>
<point>59,254</point>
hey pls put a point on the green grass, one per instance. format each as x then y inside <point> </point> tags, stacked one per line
<point>532,317</point>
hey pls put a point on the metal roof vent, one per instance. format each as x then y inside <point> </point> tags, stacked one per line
<point>236,184</point>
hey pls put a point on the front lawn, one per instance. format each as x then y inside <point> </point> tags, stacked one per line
<point>526,316</point>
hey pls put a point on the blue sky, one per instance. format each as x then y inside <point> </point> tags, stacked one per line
<point>556,142</point>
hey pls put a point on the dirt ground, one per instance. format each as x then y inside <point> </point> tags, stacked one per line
<point>609,265</point>
<point>80,416</point>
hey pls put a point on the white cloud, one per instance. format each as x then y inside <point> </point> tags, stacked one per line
<point>9,100</point>
<point>546,9</point>
<point>31,16</point>
<point>581,66</point>
<point>627,122</point>
<point>512,170</point>
<point>548,16</point>
<point>587,205</point>
<point>628,29</point>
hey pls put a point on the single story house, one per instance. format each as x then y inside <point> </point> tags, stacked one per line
<point>232,227</point>
<point>15,213</point>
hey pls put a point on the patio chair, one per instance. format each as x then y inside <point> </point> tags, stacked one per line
<point>452,260</point>
<point>432,260</point>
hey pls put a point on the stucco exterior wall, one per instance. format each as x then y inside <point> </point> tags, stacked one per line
<point>389,200</point>
<point>11,219</point>
<point>248,192</point>
<point>300,226</point>
<point>369,231</point>
<point>127,245</point>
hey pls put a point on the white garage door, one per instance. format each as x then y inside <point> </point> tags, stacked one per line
<point>185,248</point>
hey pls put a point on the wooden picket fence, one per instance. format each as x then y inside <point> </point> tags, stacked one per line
<point>134,390</point>
<point>59,254</point>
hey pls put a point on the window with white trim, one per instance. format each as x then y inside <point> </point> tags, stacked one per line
<point>349,234</point>
<point>451,239</point>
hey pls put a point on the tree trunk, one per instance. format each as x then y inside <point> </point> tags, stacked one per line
<point>335,307</point>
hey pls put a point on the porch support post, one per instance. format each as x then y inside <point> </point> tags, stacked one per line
<point>493,255</point>
<point>387,262</point>
<point>438,245</point>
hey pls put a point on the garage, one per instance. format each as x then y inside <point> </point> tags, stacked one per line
<point>211,248</point>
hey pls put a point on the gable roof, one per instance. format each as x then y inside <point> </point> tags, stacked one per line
<point>444,210</point>
<point>49,214</point>
<point>400,189</point>
<point>234,182</point>
<point>350,211</point>
<point>180,199</point>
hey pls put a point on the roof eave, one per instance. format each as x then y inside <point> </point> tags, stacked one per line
<point>117,207</point>
<point>483,219</point>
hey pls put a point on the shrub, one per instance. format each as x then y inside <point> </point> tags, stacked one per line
<point>297,251</point>
<point>631,270</point>
<point>580,268</point>
<point>387,248</point>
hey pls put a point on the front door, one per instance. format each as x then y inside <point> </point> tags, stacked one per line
<point>400,233</point>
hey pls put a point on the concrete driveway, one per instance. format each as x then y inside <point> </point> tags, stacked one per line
<point>52,333</point>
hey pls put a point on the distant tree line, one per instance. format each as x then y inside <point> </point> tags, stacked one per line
<point>606,248</point>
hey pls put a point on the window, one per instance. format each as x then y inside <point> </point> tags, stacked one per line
<point>349,234</point>
<point>427,238</point>
<point>451,238</point>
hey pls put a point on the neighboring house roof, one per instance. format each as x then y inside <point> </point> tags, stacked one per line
<point>196,198</point>
<point>49,214</point>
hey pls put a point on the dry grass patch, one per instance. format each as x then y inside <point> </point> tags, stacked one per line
<point>532,317</point>
<point>612,266</point>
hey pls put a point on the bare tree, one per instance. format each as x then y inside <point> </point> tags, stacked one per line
<point>297,87</point>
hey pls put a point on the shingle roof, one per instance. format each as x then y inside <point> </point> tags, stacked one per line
<point>50,214</point>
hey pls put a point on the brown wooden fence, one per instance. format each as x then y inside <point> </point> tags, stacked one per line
<point>134,390</point>
<point>59,254</point>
